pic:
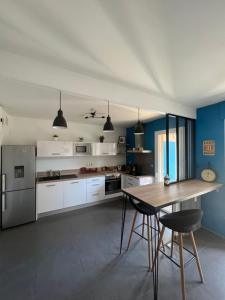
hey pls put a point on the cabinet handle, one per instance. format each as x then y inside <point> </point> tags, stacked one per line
<point>96,194</point>
<point>74,182</point>
<point>49,185</point>
<point>96,179</point>
<point>3,202</point>
<point>95,184</point>
<point>55,153</point>
<point>105,153</point>
<point>3,182</point>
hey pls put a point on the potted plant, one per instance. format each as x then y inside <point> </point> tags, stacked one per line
<point>101,138</point>
<point>55,137</point>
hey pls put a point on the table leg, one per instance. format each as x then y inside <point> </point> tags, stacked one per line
<point>155,269</point>
<point>123,220</point>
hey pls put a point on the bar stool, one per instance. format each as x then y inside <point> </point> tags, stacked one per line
<point>148,212</point>
<point>186,221</point>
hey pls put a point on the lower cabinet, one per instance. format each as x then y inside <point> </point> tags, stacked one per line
<point>49,196</point>
<point>74,192</point>
<point>95,189</point>
<point>129,180</point>
<point>57,195</point>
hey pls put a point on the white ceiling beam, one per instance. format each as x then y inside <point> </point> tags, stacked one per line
<point>36,72</point>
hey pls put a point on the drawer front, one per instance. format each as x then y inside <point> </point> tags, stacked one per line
<point>96,180</point>
<point>96,195</point>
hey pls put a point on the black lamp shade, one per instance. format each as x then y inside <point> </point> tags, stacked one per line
<point>59,121</point>
<point>108,125</point>
<point>139,128</point>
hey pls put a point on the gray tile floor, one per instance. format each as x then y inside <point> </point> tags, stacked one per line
<point>75,256</point>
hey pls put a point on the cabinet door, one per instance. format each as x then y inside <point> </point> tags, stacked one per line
<point>95,189</point>
<point>146,180</point>
<point>74,192</point>
<point>123,181</point>
<point>54,149</point>
<point>101,149</point>
<point>49,196</point>
<point>132,181</point>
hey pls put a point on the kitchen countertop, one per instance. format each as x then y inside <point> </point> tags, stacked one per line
<point>90,175</point>
<point>80,176</point>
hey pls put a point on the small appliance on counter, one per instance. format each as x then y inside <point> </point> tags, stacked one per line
<point>18,200</point>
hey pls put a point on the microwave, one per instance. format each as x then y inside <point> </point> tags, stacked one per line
<point>82,149</point>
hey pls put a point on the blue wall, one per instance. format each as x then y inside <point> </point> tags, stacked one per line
<point>210,125</point>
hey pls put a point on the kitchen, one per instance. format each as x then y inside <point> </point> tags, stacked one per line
<point>112,137</point>
<point>71,174</point>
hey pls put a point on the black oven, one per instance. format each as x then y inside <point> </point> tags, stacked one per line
<point>112,183</point>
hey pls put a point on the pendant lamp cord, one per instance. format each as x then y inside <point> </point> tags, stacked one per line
<point>108,107</point>
<point>138,113</point>
<point>60,99</point>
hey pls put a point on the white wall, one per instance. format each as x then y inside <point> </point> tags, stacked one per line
<point>22,131</point>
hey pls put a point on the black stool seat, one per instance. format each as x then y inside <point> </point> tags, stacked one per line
<point>143,208</point>
<point>184,221</point>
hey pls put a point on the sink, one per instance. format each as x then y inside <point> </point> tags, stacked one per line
<point>68,176</point>
<point>57,177</point>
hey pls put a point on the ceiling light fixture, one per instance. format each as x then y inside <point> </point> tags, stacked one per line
<point>108,127</point>
<point>60,121</point>
<point>139,127</point>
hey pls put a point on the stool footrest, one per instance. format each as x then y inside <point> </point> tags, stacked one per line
<point>178,265</point>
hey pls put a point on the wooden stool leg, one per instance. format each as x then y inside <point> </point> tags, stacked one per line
<point>149,244</point>
<point>196,256</point>
<point>159,229</point>
<point>159,244</point>
<point>172,239</point>
<point>132,229</point>
<point>182,266</point>
<point>143,225</point>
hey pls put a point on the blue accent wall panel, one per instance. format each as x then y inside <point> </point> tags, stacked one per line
<point>210,126</point>
<point>149,136</point>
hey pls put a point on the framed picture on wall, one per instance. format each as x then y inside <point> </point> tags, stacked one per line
<point>209,147</point>
<point>122,140</point>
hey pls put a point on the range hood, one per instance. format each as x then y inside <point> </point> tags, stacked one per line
<point>139,142</point>
<point>139,151</point>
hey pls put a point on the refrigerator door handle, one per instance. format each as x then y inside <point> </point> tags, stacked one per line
<point>3,202</point>
<point>3,182</point>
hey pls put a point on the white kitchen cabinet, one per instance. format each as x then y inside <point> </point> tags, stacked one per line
<point>74,192</point>
<point>95,189</point>
<point>129,180</point>
<point>102,149</point>
<point>54,149</point>
<point>49,196</point>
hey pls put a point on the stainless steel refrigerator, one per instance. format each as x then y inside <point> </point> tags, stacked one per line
<point>17,185</point>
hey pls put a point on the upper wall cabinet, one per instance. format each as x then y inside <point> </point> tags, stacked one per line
<point>102,149</point>
<point>54,149</point>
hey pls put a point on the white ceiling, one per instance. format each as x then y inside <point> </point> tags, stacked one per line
<point>173,48</point>
<point>26,100</point>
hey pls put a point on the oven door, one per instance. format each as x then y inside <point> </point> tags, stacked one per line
<point>112,186</point>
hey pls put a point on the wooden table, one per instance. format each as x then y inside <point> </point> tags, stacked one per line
<point>158,196</point>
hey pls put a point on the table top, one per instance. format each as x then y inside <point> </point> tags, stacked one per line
<point>157,195</point>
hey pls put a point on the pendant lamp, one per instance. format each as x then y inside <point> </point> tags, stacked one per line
<point>108,127</point>
<point>60,121</point>
<point>139,127</point>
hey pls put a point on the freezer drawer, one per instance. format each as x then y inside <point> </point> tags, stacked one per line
<point>18,207</point>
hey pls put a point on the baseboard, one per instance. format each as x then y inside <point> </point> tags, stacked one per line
<point>213,232</point>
